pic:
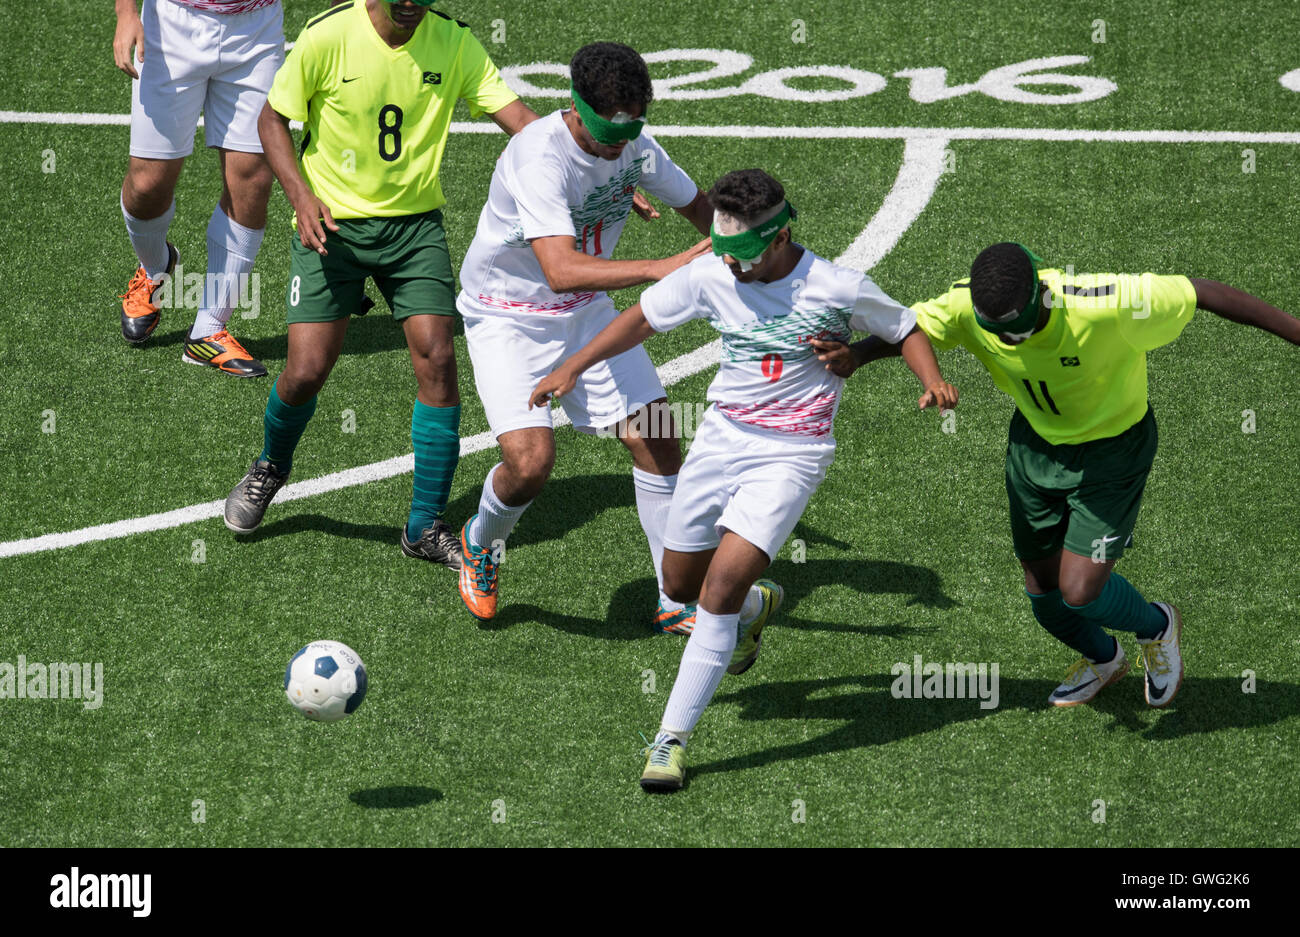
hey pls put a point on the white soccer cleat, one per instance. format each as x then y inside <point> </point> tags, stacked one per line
<point>1162,658</point>
<point>1085,679</point>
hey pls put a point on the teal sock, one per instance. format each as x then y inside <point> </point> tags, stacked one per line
<point>1070,629</point>
<point>1121,607</point>
<point>283,426</point>
<point>435,435</point>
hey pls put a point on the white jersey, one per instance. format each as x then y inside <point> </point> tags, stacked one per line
<point>770,378</point>
<point>545,185</point>
<point>226,6</point>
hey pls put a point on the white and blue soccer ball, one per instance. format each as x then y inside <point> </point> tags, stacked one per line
<point>325,681</point>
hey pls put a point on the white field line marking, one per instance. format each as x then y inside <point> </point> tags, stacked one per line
<point>811,133</point>
<point>917,178</point>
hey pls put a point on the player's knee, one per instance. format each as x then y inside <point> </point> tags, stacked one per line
<point>1081,592</point>
<point>530,471</point>
<point>302,379</point>
<point>147,191</point>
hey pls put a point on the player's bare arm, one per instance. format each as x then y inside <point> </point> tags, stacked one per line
<point>514,117</point>
<point>1239,306</point>
<point>568,270</point>
<point>918,353</point>
<point>313,214</point>
<point>129,35</point>
<point>623,334</point>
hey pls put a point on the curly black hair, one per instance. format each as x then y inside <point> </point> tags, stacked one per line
<point>1001,279</point>
<point>746,194</point>
<point>612,77</point>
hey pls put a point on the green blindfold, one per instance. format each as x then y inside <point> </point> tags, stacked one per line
<point>1027,318</point>
<point>749,245</point>
<point>606,132</point>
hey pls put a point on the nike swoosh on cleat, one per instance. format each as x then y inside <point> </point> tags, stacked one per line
<point>1153,691</point>
<point>1057,694</point>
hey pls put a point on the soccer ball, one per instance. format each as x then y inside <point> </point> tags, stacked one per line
<point>325,681</point>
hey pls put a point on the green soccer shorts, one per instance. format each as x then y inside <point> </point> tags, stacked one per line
<point>1082,497</point>
<point>406,256</point>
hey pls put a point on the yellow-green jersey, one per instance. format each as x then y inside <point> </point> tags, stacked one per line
<point>376,117</point>
<point>1084,376</point>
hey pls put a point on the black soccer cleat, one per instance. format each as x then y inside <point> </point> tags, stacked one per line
<point>437,544</point>
<point>249,499</point>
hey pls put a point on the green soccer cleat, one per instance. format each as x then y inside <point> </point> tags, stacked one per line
<point>665,766</point>
<point>751,638</point>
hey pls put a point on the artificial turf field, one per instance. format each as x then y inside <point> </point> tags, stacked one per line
<point>524,731</point>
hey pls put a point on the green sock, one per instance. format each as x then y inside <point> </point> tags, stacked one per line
<point>283,427</point>
<point>1070,629</point>
<point>435,435</point>
<point>1122,608</point>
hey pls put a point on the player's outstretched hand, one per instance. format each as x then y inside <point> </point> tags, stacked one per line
<point>554,385</point>
<point>641,205</point>
<point>837,356</point>
<point>129,34</point>
<point>311,212</point>
<point>940,394</point>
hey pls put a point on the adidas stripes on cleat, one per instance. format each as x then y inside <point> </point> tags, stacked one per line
<point>223,352</point>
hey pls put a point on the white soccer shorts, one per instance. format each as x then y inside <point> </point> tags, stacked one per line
<point>512,353</point>
<point>219,64</point>
<point>749,481</point>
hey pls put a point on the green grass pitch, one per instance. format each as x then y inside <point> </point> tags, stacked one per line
<point>524,731</point>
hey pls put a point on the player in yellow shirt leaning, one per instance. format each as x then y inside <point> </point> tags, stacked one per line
<point>1071,351</point>
<point>375,84</point>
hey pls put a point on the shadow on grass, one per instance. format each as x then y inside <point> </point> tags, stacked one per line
<point>373,333</point>
<point>565,504</point>
<point>872,716</point>
<point>300,523</point>
<point>400,796</point>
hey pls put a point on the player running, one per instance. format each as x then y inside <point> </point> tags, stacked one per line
<point>765,443</point>
<point>1071,352</point>
<point>218,57</point>
<point>533,293</point>
<point>375,84</point>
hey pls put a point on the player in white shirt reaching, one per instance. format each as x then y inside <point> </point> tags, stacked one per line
<point>533,292</point>
<point>218,57</point>
<point>765,443</point>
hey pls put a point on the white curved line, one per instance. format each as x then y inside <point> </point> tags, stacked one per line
<point>923,159</point>
<point>917,178</point>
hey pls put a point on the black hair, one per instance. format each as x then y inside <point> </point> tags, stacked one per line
<point>1001,279</point>
<point>746,194</point>
<point>612,77</point>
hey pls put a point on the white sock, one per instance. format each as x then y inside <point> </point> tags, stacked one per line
<point>703,663</point>
<point>654,494</point>
<point>149,239</point>
<point>232,248</point>
<point>753,605</point>
<point>495,520</point>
